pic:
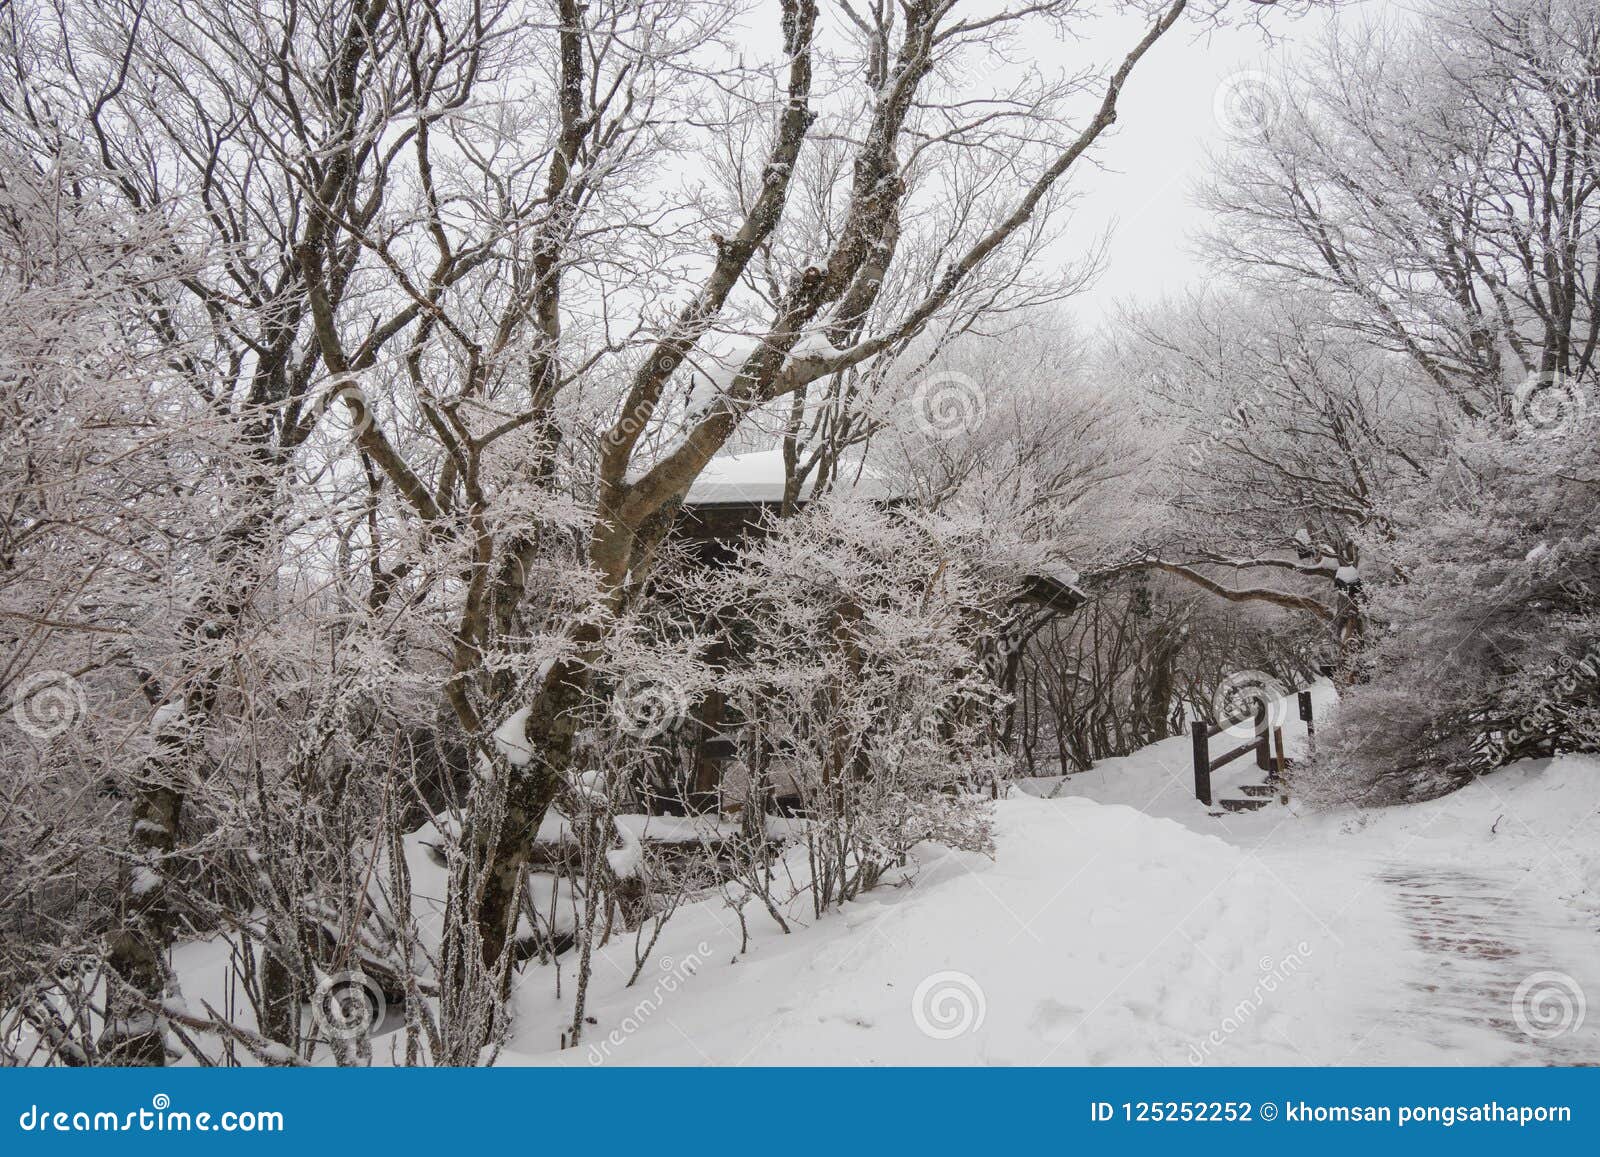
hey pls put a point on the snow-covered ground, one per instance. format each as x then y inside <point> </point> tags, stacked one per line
<point>1120,923</point>
<point>1098,935</point>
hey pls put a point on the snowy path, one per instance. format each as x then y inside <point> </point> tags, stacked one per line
<point>1101,935</point>
<point>1119,923</point>
<point>1503,972</point>
<point>1441,912</point>
<point>1097,935</point>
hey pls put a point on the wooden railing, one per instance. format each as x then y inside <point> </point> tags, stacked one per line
<point>1262,742</point>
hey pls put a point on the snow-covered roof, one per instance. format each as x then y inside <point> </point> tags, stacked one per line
<point>1060,572</point>
<point>758,477</point>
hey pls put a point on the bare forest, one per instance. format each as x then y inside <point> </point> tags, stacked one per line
<point>485,481</point>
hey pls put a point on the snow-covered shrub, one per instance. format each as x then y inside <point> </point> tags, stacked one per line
<point>1487,642</point>
<point>863,705</point>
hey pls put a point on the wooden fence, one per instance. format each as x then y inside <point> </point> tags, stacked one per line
<point>1266,742</point>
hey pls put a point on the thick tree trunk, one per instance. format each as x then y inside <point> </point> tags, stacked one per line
<point>499,851</point>
<point>135,1032</point>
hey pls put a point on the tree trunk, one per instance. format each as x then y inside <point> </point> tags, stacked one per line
<point>134,1033</point>
<point>279,1003</point>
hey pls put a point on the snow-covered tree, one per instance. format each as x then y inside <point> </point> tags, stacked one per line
<point>858,683</point>
<point>1485,649</point>
<point>1435,176</point>
<point>360,354</point>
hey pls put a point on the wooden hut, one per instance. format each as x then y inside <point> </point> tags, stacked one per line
<point>736,496</point>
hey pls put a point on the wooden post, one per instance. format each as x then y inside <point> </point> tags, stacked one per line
<point>1280,775</point>
<point>1263,740</point>
<point>710,752</point>
<point>1202,761</point>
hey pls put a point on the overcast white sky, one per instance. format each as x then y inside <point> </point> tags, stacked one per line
<point>1166,123</point>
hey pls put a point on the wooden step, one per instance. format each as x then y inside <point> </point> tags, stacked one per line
<point>1264,790</point>
<point>1243,805</point>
